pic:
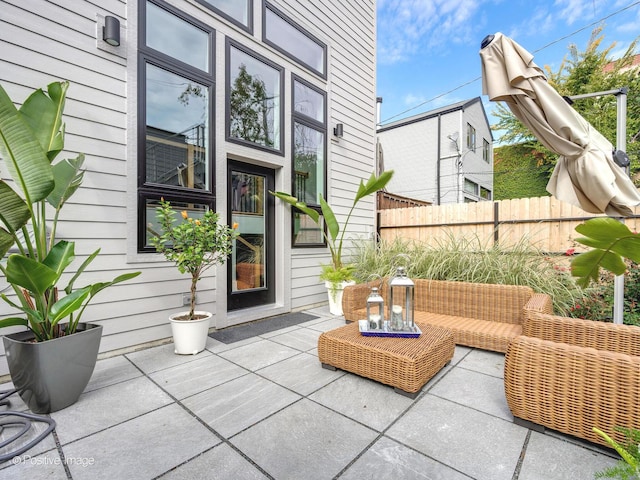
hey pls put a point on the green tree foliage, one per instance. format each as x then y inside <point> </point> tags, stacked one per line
<point>517,172</point>
<point>250,107</point>
<point>589,71</point>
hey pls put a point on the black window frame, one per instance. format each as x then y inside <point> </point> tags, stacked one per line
<point>486,150</point>
<point>247,28</point>
<point>150,56</point>
<point>230,43</point>
<point>268,6</point>
<point>301,118</point>
<point>472,135</point>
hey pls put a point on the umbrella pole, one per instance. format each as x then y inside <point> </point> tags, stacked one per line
<point>621,144</point>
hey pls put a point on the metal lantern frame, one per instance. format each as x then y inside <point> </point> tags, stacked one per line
<point>375,306</point>
<point>402,300</point>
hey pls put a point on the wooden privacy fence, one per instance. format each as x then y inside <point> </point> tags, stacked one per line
<point>546,222</point>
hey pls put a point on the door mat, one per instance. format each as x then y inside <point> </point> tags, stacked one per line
<point>260,327</point>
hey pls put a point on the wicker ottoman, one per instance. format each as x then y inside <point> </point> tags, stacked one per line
<point>404,363</point>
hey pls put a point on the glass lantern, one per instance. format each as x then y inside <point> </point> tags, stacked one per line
<point>401,302</point>
<point>375,309</point>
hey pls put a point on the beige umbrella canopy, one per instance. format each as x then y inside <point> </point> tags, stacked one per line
<point>585,174</point>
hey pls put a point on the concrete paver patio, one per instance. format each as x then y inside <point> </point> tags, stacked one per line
<point>264,408</point>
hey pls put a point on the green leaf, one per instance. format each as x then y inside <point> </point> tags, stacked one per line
<point>329,219</point>
<point>30,274</point>
<point>68,304</point>
<point>69,288</point>
<point>97,287</point>
<point>618,448</point>
<point>43,113</point>
<point>68,177</point>
<point>14,214</point>
<point>586,266</point>
<point>373,185</point>
<point>293,201</point>
<point>25,158</point>
<point>13,321</point>
<point>60,257</point>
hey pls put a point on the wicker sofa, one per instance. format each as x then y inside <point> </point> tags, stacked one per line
<point>486,316</point>
<point>571,375</point>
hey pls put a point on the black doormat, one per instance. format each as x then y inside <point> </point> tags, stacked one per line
<point>242,332</point>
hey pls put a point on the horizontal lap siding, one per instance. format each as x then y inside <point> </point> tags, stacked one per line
<point>351,80</point>
<point>42,42</point>
<point>45,41</point>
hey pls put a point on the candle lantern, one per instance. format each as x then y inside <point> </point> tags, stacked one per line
<point>375,309</point>
<point>401,302</point>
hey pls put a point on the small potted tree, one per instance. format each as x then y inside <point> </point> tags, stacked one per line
<point>52,361</point>
<point>337,274</point>
<point>194,245</point>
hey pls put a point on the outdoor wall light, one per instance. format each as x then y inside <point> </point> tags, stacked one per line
<point>111,31</point>
<point>339,130</point>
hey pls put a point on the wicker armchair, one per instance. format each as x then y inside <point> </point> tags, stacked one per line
<point>571,375</point>
<point>480,315</point>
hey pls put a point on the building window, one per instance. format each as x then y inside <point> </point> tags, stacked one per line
<point>254,101</point>
<point>470,187</point>
<point>486,151</point>
<point>471,137</point>
<point>239,12</point>
<point>485,193</point>
<point>174,114</point>
<point>309,158</point>
<point>295,42</point>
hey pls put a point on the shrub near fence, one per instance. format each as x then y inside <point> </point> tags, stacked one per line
<point>548,223</point>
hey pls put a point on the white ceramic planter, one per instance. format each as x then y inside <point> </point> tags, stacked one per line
<point>334,290</point>
<point>189,336</point>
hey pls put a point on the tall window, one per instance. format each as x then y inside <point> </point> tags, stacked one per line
<point>174,115</point>
<point>295,42</point>
<point>239,12</point>
<point>254,100</point>
<point>309,158</point>
<point>486,151</point>
<point>471,137</point>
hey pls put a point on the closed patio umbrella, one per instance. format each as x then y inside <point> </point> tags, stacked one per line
<point>585,174</point>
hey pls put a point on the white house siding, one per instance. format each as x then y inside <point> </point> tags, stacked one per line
<point>48,40</point>
<point>413,150</point>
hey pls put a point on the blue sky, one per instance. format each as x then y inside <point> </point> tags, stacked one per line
<point>426,49</point>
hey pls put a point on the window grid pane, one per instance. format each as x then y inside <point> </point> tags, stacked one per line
<point>177,130</point>
<point>186,43</point>
<point>294,41</point>
<point>254,100</point>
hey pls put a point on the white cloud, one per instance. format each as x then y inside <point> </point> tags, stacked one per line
<point>406,27</point>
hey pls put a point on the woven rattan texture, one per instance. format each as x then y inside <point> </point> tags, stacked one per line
<point>404,363</point>
<point>578,375</point>
<point>483,316</point>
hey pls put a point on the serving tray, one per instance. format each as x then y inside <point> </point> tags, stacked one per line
<point>387,332</point>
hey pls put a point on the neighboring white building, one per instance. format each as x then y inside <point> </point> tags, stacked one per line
<point>155,118</point>
<point>441,156</point>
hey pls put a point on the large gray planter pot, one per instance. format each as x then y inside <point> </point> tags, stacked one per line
<point>51,375</point>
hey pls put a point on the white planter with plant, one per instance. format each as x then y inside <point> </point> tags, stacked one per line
<point>194,245</point>
<point>52,361</point>
<point>337,274</point>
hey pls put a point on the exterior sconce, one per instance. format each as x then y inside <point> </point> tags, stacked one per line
<point>339,130</point>
<point>111,31</point>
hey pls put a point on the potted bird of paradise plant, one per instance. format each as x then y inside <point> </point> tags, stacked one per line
<point>194,244</point>
<point>52,361</point>
<point>338,273</point>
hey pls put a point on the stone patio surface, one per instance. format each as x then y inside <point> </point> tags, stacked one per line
<point>264,408</point>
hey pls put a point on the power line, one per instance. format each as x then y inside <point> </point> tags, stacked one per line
<point>534,51</point>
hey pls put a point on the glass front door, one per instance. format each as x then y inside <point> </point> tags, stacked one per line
<point>251,269</point>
